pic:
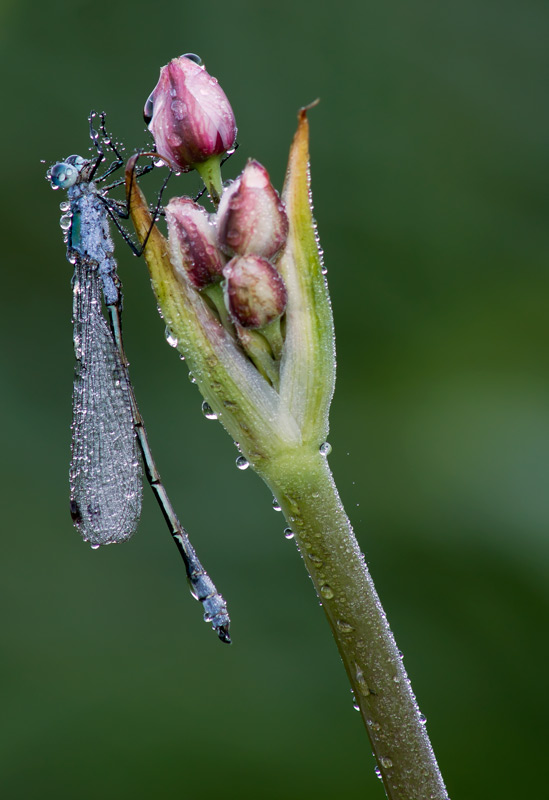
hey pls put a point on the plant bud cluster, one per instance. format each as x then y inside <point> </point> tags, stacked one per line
<point>238,245</point>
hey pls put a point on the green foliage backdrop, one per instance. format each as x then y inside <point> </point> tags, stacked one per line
<point>429,164</point>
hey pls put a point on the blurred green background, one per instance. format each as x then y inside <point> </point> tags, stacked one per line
<point>429,168</point>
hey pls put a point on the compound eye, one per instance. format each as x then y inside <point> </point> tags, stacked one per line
<point>76,161</point>
<point>64,175</point>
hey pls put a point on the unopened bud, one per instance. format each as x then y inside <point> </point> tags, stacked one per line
<point>192,241</point>
<point>189,115</point>
<point>254,291</point>
<point>251,217</point>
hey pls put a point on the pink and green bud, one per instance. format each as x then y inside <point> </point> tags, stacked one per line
<point>192,241</point>
<point>189,115</point>
<point>255,293</point>
<point>251,217</point>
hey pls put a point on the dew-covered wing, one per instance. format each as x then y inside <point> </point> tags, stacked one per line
<point>105,470</point>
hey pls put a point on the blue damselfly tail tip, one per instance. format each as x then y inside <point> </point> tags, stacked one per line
<point>223,633</point>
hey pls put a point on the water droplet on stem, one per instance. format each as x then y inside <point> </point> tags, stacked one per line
<point>208,411</point>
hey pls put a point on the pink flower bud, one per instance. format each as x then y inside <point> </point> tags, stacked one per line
<point>192,242</point>
<point>189,115</point>
<point>251,216</point>
<point>254,291</point>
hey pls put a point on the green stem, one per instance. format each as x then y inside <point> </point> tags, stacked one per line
<point>273,334</point>
<point>210,172</point>
<point>215,292</point>
<point>303,485</point>
<point>257,348</point>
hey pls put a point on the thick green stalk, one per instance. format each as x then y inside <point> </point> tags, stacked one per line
<point>303,485</point>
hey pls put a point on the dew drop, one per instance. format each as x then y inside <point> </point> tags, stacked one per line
<point>386,763</point>
<point>326,591</point>
<point>207,411</point>
<point>95,546</point>
<point>344,626</point>
<point>192,378</point>
<point>288,533</point>
<point>242,462</point>
<point>325,449</point>
<point>193,57</point>
<point>64,206</point>
<point>65,222</point>
<point>276,505</point>
<point>422,719</point>
<point>171,339</point>
<point>361,682</point>
<point>378,772</point>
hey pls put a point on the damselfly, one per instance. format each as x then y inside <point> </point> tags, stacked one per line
<point>107,427</point>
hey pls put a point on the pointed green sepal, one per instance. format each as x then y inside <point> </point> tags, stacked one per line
<point>307,374</point>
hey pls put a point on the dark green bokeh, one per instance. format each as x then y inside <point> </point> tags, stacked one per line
<point>429,164</point>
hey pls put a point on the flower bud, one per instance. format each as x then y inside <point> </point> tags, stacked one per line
<point>189,115</point>
<point>254,291</point>
<point>251,216</point>
<point>192,242</point>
